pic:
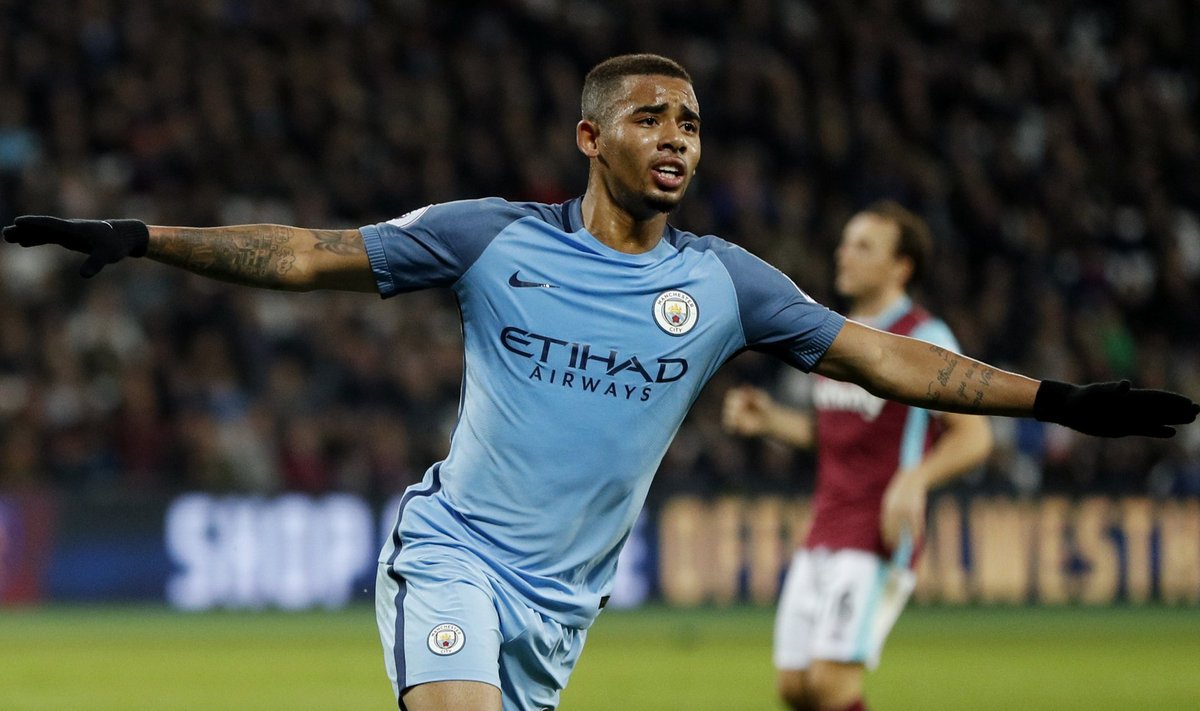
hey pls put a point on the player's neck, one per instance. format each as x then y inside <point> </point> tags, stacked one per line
<point>615,227</point>
<point>871,305</point>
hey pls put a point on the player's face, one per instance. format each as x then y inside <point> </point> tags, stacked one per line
<point>867,262</point>
<point>650,146</point>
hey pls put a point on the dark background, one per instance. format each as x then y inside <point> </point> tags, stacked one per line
<point>1055,151</point>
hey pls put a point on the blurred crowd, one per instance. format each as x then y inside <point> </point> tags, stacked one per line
<point>1054,148</point>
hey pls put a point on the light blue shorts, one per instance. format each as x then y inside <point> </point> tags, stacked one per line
<point>442,619</point>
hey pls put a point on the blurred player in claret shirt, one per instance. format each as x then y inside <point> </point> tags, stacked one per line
<point>875,462</point>
<point>589,328</point>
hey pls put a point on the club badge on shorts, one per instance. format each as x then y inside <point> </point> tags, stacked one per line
<point>675,312</point>
<point>446,639</point>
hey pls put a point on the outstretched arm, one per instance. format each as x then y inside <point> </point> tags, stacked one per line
<point>919,373</point>
<point>924,375</point>
<point>268,256</point>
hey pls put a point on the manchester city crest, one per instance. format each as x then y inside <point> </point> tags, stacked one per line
<point>675,312</point>
<point>446,639</point>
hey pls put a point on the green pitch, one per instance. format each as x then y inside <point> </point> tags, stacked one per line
<point>127,659</point>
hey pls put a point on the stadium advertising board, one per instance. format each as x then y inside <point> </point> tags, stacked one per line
<point>203,551</point>
<point>290,552</point>
<point>979,550</point>
<point>26,526</point>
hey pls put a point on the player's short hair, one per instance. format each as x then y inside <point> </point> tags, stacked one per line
<point>606,77</point>
<point>915,240</point>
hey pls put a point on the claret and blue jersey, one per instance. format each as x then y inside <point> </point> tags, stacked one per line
<point>581,362</point>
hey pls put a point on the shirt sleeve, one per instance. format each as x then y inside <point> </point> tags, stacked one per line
<point>777,317</point>
<point>433,245</point>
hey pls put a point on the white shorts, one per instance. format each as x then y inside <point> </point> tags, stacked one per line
<point>838,606</point>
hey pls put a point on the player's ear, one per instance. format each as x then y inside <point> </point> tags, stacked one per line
<point>906,268</point>
<point>587,138</point>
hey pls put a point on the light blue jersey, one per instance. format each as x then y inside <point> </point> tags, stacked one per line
<point>581,363</point>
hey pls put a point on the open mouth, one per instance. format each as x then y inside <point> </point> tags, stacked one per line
<point>668,175</point>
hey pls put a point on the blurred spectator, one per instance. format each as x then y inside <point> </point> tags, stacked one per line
<point>144,438</point>
<point>1054,147</point>
<point>302,460</point>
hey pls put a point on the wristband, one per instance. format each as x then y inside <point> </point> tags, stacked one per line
<point>133,232</point>
<point>1050,403</point>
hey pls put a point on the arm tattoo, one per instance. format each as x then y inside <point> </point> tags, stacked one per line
<point>975,398</point>
<point>336,243</point>
<point>951,360</point>
<point>970,389</point>
<point>945,373</point>
<point>932,396</point>
<point>254,255</point>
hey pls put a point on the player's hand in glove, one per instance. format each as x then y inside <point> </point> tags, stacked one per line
<point>104,241</point>
<point>1113,409</point>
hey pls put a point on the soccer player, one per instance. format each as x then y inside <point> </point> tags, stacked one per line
<point>589,329</point>
<point>875,462</point>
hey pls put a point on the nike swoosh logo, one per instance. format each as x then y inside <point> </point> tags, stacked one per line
<point>519,283</point>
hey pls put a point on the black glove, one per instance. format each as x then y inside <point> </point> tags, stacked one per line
<point>104,241</point>
<point>1113,409</point>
